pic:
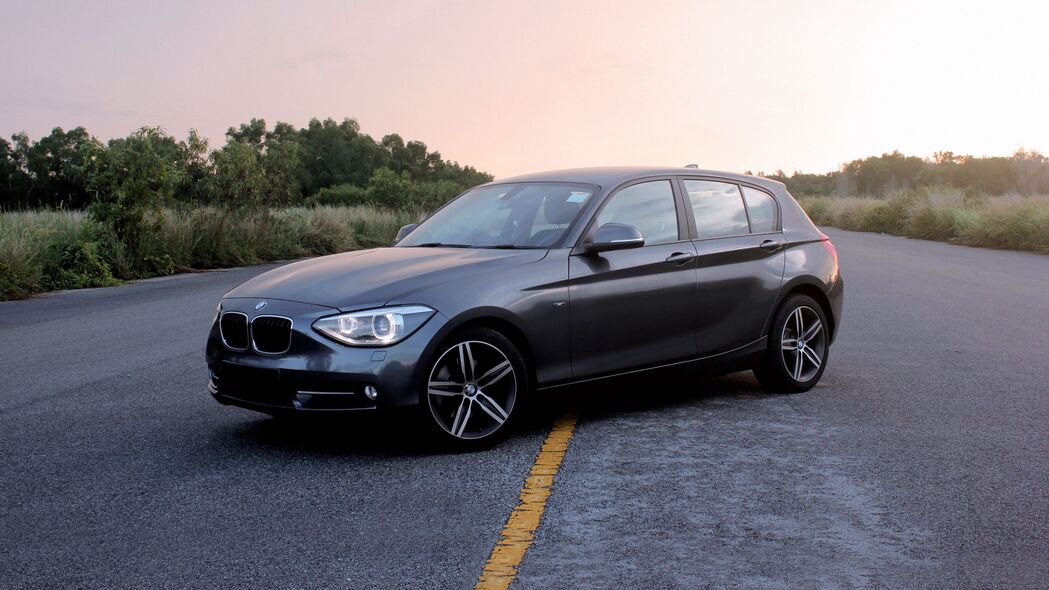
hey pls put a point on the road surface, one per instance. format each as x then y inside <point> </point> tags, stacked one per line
<point>921,460</point>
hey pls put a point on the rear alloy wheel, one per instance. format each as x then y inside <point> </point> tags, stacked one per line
<point>798,347</point>
<point>474,386</point>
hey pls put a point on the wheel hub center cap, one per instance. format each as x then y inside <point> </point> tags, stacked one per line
<point>801,344</point>
<point>470,389</point>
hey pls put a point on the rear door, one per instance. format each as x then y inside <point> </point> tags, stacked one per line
<point>637,307</point>
<point>740,248</point>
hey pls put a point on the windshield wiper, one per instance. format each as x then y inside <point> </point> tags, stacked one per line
<point>441,245</point>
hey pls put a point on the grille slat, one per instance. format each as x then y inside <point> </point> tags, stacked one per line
<point>271,334</point>
<point>234,330</point>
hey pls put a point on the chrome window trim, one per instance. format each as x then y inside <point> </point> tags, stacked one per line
<point>247,331</point>
<point>291,330</point>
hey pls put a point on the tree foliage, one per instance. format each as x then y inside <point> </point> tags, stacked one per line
<point>332,162</point>
<point>131,179</point>
<point>50,171</point>
<point>127,183</point>
<point>258,167</point>
<point>1025,173</point>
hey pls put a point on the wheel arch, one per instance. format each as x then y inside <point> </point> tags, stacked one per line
<point>806,286</point>
<point>496,319</point>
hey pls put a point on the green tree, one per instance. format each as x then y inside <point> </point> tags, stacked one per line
<point>9,198</point>
<point>280,156</point>
<point>252,133</point>
<point>195,169</point>
<point>54,167</point>
<point>412,157</point>
<point>239,180</point>
<point>132,178</point>
<point>258,168</point>
<point>282,161</point>
<point>389,189</point>
<point>337,153</point>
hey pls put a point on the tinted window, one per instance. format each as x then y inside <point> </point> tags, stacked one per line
<point>648,206</point>
<point>762,210</point>
<point>718,208</point>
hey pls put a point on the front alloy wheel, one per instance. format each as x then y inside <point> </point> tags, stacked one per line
<point>474,386</point>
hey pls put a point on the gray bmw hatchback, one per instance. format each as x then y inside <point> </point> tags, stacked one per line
<point>537,282</point>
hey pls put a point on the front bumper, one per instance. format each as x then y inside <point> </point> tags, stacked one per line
<point>316,374</point>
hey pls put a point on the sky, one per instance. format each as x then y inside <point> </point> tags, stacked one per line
<point>517,87</point>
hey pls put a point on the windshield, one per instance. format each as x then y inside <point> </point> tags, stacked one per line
<point>519,215</point>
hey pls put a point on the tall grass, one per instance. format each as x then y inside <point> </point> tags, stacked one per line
<point>1010,222</point>
<point>45,250</point>
<point>49,250</point>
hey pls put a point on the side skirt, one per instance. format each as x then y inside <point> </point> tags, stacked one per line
<point>737,359</point>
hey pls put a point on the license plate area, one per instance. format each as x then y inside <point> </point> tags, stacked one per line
<point>253,384</point>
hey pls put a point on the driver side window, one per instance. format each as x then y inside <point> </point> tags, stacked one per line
<point>648,206</point>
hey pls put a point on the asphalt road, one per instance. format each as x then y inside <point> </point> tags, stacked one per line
<point>921,460</point>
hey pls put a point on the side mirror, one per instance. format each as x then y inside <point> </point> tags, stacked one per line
<point>404,231</point>
<point>616,236</point>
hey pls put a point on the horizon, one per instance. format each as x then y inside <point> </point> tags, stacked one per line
<point>509,90</point>
<point>929,158</point>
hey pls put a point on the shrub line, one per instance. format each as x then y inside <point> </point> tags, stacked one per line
<point>1010,222</point>
<point>52,250</point>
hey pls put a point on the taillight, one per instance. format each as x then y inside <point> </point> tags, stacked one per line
<point>830,248</point>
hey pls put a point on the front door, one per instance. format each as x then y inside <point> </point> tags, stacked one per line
<point>637,307</point>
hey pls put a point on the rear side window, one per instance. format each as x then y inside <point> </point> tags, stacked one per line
<point>648,206</point>
<point>762,209</point>
<point>718,209</point>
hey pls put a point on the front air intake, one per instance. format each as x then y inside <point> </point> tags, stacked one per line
<point>271,334</point>
<point>233,327</point>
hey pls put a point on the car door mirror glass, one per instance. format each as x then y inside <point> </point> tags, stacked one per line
<point>616,236</point>
<point>404,231</point>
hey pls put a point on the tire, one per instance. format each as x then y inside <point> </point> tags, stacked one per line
<point>473,409</point>
<point>781,370</point>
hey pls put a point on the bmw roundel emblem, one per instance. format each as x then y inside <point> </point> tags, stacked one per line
<point>260,305</point>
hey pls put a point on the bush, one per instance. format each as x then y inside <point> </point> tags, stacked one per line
<point>389,190</point>
<point>21,254</point>
<point>49,250</point>
<point>949,215</point>
<point>132,178</point>
<point>428,196</point>
<point>344,195</point>
<point>77,265</point>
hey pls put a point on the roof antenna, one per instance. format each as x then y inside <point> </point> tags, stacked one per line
<point>691,165</point>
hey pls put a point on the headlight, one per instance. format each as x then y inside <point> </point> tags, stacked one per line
<point>374,327</point>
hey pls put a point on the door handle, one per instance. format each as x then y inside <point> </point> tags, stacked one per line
<point>680,258</point>
<point>771,245</point>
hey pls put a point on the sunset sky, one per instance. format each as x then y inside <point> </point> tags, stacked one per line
<point>526,86</point>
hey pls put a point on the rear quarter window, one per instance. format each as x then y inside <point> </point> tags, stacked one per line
<point>762,209</point>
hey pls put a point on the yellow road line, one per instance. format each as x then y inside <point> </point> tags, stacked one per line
<point>501,568</point>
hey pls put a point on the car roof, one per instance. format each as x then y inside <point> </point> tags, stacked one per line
<point>609,176</point>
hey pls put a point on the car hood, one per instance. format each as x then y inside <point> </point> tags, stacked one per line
<point>370,278</point>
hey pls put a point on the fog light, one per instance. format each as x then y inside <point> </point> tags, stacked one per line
<point>371,392</point>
